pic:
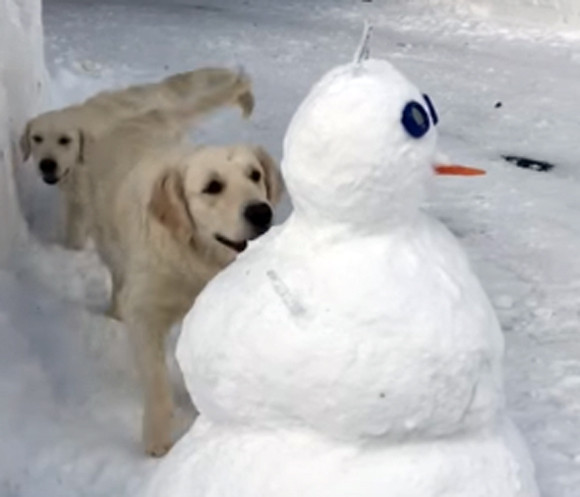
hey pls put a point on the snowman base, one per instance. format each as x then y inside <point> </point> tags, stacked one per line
<point>221,461</point>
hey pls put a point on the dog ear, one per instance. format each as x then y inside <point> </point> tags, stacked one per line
<point>274,181</point>
<point>81,152</point>
<point>169,206</point>
<point>25,142</point>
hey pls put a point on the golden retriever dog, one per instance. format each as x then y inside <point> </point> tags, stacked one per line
<point>56,139</point>
<point>168,216</point>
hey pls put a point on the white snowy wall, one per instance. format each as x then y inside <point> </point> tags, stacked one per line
<point>21,83</point>
<point>558,12</point>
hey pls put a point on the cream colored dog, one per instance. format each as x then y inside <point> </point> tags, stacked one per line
<point>167,218</point>
<point>56,139</point>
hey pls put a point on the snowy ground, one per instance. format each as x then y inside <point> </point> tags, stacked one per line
<point>69,416</point>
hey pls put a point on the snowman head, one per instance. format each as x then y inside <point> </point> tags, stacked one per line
<point>361,147</point>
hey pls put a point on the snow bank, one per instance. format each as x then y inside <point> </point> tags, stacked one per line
<point>21,85</point>
<point>559,12</point>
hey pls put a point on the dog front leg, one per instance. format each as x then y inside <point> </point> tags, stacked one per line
<point>114,310</point>
<point>76,226</point>
<point>149,343</point>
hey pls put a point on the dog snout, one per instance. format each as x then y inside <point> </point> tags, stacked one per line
<point>48,168</point>
<point>259,215</point>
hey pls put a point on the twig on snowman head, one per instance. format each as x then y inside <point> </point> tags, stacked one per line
<point>363,50</point>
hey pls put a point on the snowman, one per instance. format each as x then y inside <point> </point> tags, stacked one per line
<point>351,352</point>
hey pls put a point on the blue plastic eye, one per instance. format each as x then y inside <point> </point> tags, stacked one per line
<point>432,110</point>
<point>415,119</point>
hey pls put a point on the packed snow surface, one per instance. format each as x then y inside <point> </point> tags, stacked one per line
<point>555,12</point>
<point>70,411</point>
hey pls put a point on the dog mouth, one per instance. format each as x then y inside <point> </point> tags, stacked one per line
<point>50,179</point>
<point>53,179</point>
<point>236,246</point>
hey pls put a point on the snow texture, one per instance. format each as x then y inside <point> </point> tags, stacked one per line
<point>21,78</point>
<point>69,409</point>
<point>558,12</point>
<point>374,383</point>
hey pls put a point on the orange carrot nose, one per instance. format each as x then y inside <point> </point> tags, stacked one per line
<point>457,170</point>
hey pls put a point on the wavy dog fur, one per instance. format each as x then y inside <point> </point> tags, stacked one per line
<point>167,217</point>
<point>56,140</point>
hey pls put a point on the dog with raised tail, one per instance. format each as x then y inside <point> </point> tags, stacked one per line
<point>166,217</point>
<point>56,139</point>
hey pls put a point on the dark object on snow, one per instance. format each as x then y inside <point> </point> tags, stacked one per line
<point>498,105</point>
<point>527,163</point>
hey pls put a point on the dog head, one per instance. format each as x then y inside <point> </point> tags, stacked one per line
<point>55,143</point>
<point>220,199</point>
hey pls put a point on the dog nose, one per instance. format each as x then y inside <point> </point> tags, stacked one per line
<point>259,215</point>
<point>48,166</point>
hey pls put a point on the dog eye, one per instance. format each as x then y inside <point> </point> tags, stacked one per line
<point>37,139</point>
<point>64,140</point>
<point>214,187</point>
<point>255,175</point>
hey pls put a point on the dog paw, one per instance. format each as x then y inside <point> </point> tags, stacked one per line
<point>76,245</point>
<point>113,315</point>
<point>113,312</point>
<point>157,449</point>
<point>157,431</point>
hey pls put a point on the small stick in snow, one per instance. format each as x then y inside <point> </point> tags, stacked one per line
<point>363,50</point>
<point>293,305</point>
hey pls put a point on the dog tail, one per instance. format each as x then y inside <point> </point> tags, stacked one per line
<point>209,89</point>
